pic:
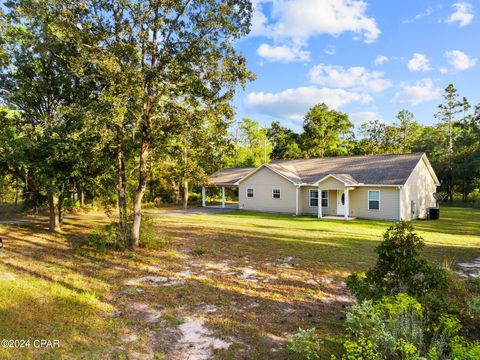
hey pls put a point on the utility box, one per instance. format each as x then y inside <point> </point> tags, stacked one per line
<point>433,213</point>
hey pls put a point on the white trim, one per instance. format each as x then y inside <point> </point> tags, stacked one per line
<point>399,204</point>
<point>430,170</point>
<point>261,167</point>
<point>319,207</point>
<point>296,200</point>
<point>223,197</point>
<point>336,178</point>
<point>253,193</point>
<point>279,193</point>
<point>346,205</point>
<point>368,200</point>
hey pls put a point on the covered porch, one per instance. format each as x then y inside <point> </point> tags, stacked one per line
<point>227,182</point>
<point>228,196</point>
<point>332,196</point>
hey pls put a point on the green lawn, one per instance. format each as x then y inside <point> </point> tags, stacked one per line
<point>252,279</point>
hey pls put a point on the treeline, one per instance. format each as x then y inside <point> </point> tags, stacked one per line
<point>452,144</point>
<point>115,100</point>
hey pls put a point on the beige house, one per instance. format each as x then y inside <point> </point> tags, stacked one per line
<point>389,187</point>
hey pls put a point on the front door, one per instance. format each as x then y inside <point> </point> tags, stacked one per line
<point>340,202</point>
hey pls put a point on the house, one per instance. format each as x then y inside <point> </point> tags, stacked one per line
<point>393,187</point>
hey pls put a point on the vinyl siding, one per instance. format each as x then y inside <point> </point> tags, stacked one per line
<point>263,181</point>
<point>309,210</point>
<point>419,187</point>
<point>331,184</point>
<point>389,203</point>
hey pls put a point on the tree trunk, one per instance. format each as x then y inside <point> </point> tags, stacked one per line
<point>142,178</point>
<point>82,199</point>
<point>16,193</point>
<point>121,188</point>
<point>185,193</point>
<point>60,209</point>
<point>54,223</point>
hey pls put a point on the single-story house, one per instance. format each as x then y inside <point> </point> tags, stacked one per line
<point>393,187</point>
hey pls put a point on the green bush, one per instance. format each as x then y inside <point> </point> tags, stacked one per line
<point>199,251</point>
<point>400,268</point>
<point>70,204</point>
<point>395,328</point>
<point>474,197</point>
<point>362,349</point>
<point>462,349</point>
<point>306,345</point>
<point>149,236</point>
<point>104,239</point>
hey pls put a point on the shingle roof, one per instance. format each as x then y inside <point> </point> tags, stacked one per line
<point>229,176</point>
<point>392,169</point>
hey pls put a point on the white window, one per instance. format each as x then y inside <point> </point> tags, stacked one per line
<point>276,193</point>
<point>249,193</point>
<point>314,198</point>
<point>325,199</point>
<point>373,199</point>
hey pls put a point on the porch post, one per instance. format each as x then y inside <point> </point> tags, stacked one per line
<point>319,203</point>
<point>223,196</point>
<point>203,196</point>
<point>347,210</point>
<point>296,200</point>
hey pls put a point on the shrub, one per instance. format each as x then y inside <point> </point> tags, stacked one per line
<point>383,324</point>
<point>199,251</point>
<point>464,349</point>
<point>359,350</point>
<point>70,204</point>
<point>306,344</point>
<point>400,268</point>
<point>149,237</point>
<point>104,239</point>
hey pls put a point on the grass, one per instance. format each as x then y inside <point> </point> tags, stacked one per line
<point>259,277</point>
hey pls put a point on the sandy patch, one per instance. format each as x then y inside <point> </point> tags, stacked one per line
<point>196,342</point>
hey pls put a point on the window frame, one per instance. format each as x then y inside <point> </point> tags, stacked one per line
<point>279,193</point>
<point>253,193</point>
<point>310,197</point>
<point>368,200</point>
<point>326,198</point>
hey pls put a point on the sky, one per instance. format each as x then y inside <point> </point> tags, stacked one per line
<point>369,59</point>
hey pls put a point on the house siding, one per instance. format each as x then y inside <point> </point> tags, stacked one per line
<point>313,210</point>
<point>389,203</point>
<point>419,188</point>
<point>331,184</point>
<point>263,181</point>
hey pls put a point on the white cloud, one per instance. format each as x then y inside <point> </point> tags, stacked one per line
<point>443,70</point>
<point>356,78</point>
<point>381,59</point>
<point>417,93</point>
<point>283,53</point>
<point>297,20</point>
<point>293,104</point>
<point>419,62</point>
<point>330,50</point>
<point>459,60</point>
<point>463,14</point>
<point>362,117</point>
<point>429,11</point>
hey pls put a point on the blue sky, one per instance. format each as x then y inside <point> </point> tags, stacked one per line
<point>368,59</point>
